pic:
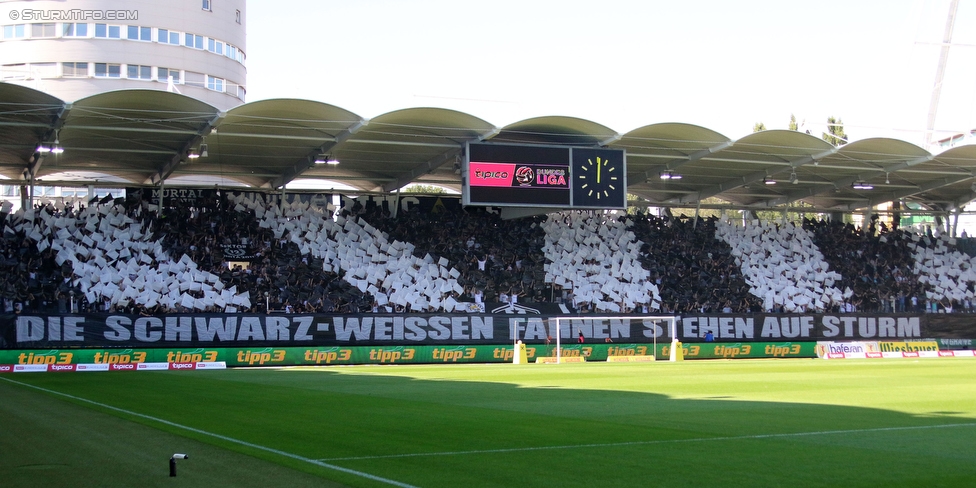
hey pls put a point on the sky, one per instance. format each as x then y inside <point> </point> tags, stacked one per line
<point>724,65</point>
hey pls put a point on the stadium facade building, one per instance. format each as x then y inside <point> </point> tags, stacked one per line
<point>72,51</point>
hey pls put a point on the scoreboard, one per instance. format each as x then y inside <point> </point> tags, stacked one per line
<point>544,176</point>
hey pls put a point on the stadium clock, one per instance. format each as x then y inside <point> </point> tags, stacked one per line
<point>599,178</point>
<point>525,175</point>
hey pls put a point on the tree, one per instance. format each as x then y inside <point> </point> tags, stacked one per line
<point>705,213</point>
<point>835,134</point>
<point>793,125</point>
<point>759,127</point>
<point>419,188</point>
<point>795,214</point>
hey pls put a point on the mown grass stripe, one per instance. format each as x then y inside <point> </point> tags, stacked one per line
<point>641,443</point>
<point>217,436</point>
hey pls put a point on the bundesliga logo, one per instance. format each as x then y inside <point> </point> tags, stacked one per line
<point>524,175</point>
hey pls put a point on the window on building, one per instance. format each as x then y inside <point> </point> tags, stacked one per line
<point>137,72</point>
<point>138,33</point>
<point>104,192</point>
<point>106,70</point>
<point>192,40</point>
<point>108,31</point>
<point>165,36</point>
<point>74,70</point>
<point>44,30</point>
<point>237,16</point>
<point>15,31</point>
<point>69,192</point>
<point>166,74</point>
<point>215,46</point>
<point>208,5</point>
<point>235,90</point>
<point>194,79</point>
<point>13,71</point>
<point>74,30</point>
<point>10,190</point>
<point>44,70</point>
<point>215,84</point>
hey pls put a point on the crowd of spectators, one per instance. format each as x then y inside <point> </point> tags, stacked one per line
<point>32,280</point>
<point>496,261</point>
<point>875,262</point>
<point>500,261</point>
<point>596,258</point>
<point>277,274</point>
<point>694,271</point>
<point>782,266</point>
<point>274,272</point>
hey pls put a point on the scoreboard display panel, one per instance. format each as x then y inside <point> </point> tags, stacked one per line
<point>514,175</point>
<point>544,176</point>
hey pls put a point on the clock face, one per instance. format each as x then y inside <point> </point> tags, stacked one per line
<point>598,178</point>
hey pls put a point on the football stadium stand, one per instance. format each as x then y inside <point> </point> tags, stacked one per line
<point>123,257</point>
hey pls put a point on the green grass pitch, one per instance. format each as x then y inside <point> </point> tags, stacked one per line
<point>696,423</point>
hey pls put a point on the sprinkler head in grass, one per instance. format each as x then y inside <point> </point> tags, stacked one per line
<point>172,463</point>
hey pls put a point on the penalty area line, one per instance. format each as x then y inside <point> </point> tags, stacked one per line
<point>649,443</point>
<point>316,462</point>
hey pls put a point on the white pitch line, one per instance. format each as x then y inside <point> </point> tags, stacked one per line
<point>636,443</point>
<point>221,437</point>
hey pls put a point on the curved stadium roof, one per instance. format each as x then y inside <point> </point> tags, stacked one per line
<point>142,137</point>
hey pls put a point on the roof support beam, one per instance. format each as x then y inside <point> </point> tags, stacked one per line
<point>884,197</point>
<point>117,150</point>
<point>370,179</point>
<point>610,140</point>
<point>299,167</point>
<point>403,143</point>
<point>167,169</point>
<point>434,163</point>
<point>23,124</point>
<point>846,181</point>
<point>283,137</point>
<point>489,135</point>
<point>962,202</point>
<point>754,177</point>
<point>677,163</point>
<point>247,174</point>
<point>154,130</point>
<point>35,166</point>
<point>727,185</point>
<point>421,169</point>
